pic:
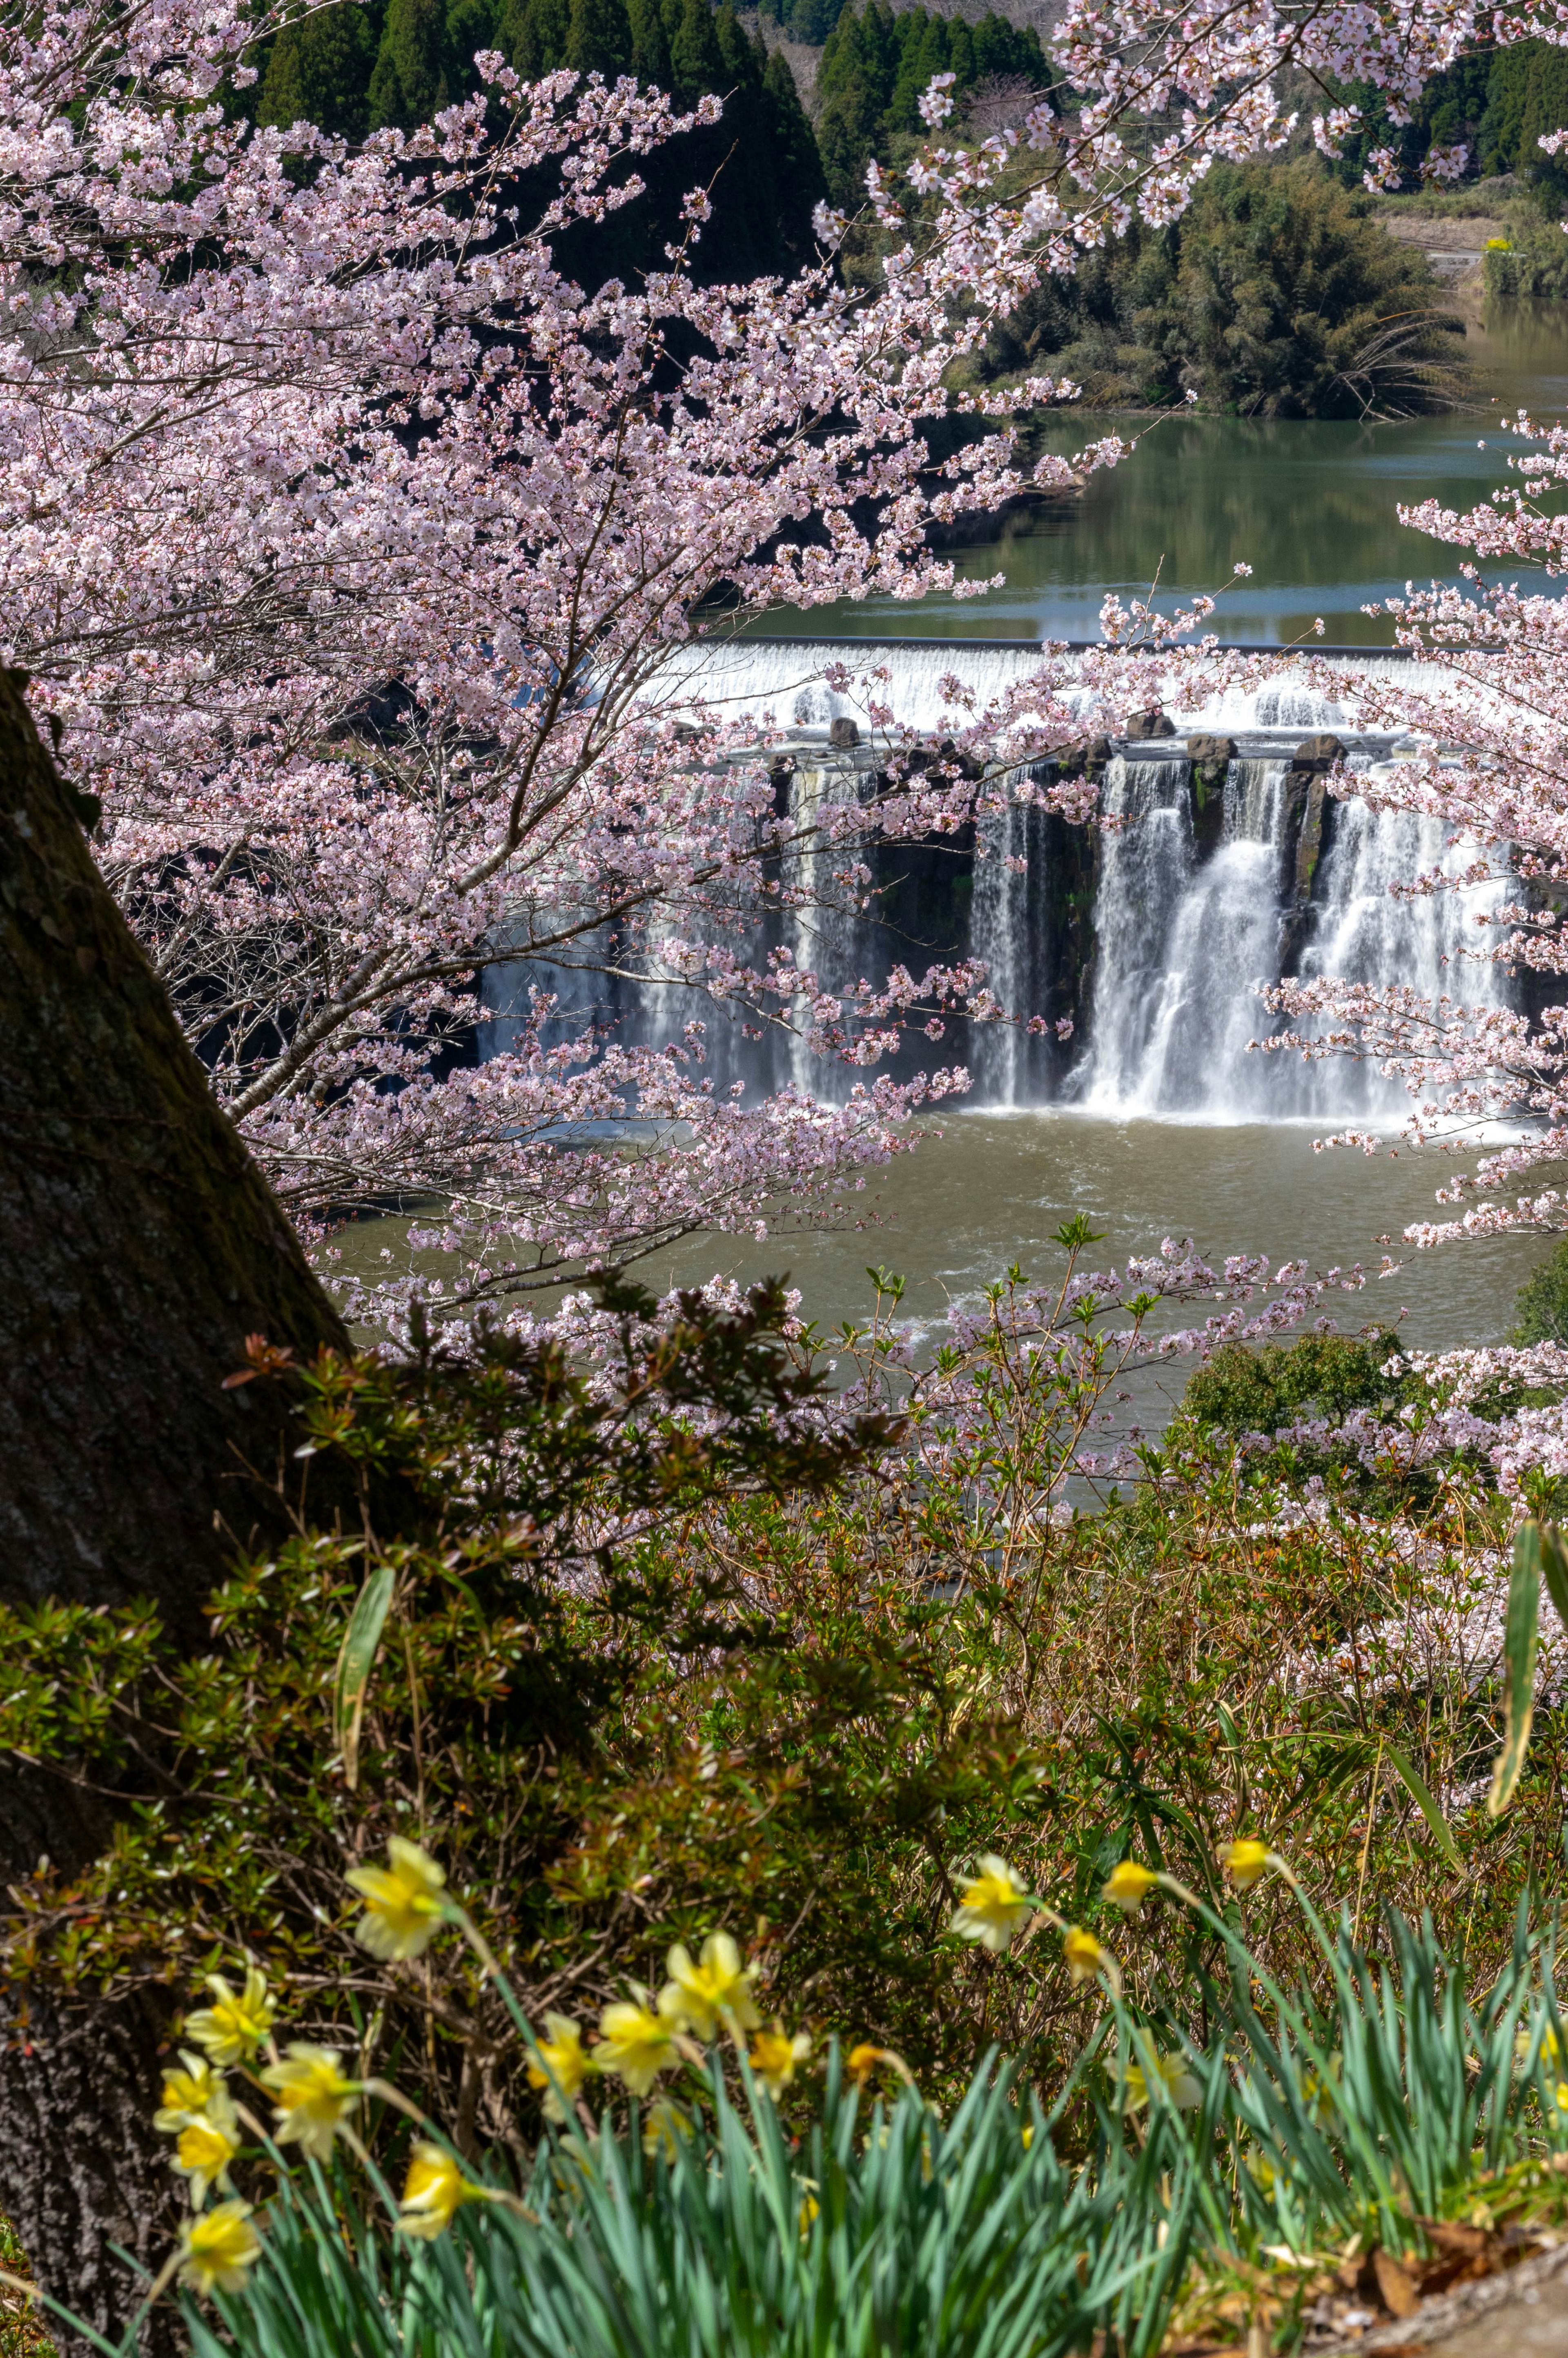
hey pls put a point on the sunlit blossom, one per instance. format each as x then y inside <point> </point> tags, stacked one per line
<point>216,2247</point>
<point>993,1908</point>
<point>1246,1862</point>
<point>635,2044</point>
<point>405,1902</point>
<point>717,1990</point>
<point>561,2065</point>
<point>314,2098</point>
<point>1172,2073</point>
<point>1083,1956</point>
<point>187,2091</point>
<point>207,2144</point>
<point>775,2057</point>
<point>1129,1886</point>
<point>236,2024</point>
<point>433,2193</point>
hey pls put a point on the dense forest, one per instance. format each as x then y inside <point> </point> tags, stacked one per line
<point>875,66</point>
<point>1497,105</point>
<point>354,68</point>
<point>1277,294</point>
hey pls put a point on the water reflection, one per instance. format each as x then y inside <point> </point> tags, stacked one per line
<point>1309,505</point>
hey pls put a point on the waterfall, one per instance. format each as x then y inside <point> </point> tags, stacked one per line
<point>1154,936</point>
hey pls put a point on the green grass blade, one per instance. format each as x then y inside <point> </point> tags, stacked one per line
<point>1421,1794</point>
<point>1518,1666</point>
<point>362,1643</point>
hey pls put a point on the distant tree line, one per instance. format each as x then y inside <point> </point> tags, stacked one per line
<point>1498,103</point>
<point>356,68</point>
<point>875,65</point>
<point>1278,294</point>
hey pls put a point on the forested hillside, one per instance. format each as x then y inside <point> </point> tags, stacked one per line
<point>354,68</point>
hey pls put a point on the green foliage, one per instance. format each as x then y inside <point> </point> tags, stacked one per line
<point>892,2232</point>
<point>1252,1388</point>
<point>803,20</point>
<point>320,71</point>
<point>1527,94</point>
<point>599,38</point>
<point>877,64</point>
<point>1277,294</point>
<point>1540,1310</point>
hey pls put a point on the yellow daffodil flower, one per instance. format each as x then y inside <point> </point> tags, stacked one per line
<point>1027,2134</point>
<point>186,2093</point>
<point>700,1998</point>
<point>314,2099</point>
<point>1129,1886</point>
<point>1172,2071</point>
<point>404,1902</point>
<point>993,1908</point>
<point>774,2056</point>
<point>664,2128</point>
<point>862,2060</point>
<point>207,2144</point>
<point>810,2210</point>
<point>635,2044</point>
<point>1246,1862</point>
<point>232,2029</point>
<point>433,2193</point>
<point>1083,1955</point>
<point>562,2051</point>
<point>218,2247</point>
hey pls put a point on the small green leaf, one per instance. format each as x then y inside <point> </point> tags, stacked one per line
<point>1519,1666</point>
<point>362,1643</point>
<point>1421,1794</point>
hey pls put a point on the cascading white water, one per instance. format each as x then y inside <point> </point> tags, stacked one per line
<point>1187,922</point>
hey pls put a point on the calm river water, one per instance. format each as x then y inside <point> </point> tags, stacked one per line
<point>1311,507</point>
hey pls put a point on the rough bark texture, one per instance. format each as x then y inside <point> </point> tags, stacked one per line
<point>139,1242</point>
<point>138,1248</point>
<point>83,2169</point>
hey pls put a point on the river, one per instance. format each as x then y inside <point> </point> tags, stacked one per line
<point>1311,507</point>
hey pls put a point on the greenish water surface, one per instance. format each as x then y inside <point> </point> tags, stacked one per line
<point>1310,505</point>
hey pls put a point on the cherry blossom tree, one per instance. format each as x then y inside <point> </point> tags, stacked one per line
<point>348,543</point>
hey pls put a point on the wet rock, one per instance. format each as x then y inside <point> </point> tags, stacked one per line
<point>1206,751</point>
<point>1152,723</point>
<point>844,733</point>
<point>1317,753</point>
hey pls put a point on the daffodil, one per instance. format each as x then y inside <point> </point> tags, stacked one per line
<point>1171,2072</point>
<point>1246,1862</point>
<point>700,1998</point>
<point>433,2193</point>
<point>207,2144</point>
<point>993,1908</point>
<point>562,2065</point>
<point>186,2093</point>
<point>862,2060</point>
<point>1083,1955</point>
<point>1129,1886</point>
<point>774,2056</point>
<point>232,2029</point>
<point>664,2127</point>
<point>216,2247</point>
<point>635,2044</point>
<point>314,2099</point>
<point>406,1903</point>
<point>810,2212</point>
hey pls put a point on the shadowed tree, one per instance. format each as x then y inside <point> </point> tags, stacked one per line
<point>141,1247</point>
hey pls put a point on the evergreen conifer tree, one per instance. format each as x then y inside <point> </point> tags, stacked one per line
<point>599,38</point>
<point>533,36</point>
<point>797,165</point>
<point>320,71</point>
<point>695,64</point>
<point>650,44</point>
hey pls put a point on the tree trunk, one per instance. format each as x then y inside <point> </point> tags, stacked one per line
<point>140,1247</point>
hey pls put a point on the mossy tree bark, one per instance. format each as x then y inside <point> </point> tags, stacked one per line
<point>139,1246</point>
